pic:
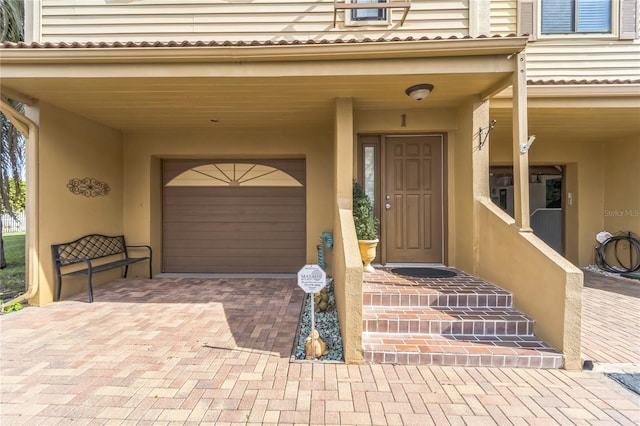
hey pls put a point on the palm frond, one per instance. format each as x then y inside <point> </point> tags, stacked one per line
<point>11,20</point>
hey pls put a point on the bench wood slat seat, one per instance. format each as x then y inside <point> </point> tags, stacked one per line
<point>86,250</point>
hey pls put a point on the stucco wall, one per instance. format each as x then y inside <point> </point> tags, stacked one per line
<point>461,186</point>
<point>584,180</point>
<point>622,189</point>
<point>348,263</point>
<point>144,149</point>
<point>73,147</point>
<point>544,284</point>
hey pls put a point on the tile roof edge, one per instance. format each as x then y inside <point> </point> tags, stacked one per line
<point>580,82</point>
<point>229,43</point>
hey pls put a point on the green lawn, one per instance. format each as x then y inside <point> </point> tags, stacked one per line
<point>12,277</point>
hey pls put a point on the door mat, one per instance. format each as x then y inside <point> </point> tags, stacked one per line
<point>424,272</point>
<point>629,381</point>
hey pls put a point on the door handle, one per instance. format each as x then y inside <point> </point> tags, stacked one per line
<point>387,206</point>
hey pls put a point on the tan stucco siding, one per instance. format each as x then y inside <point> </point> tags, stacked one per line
<point>585,171</point>
<point>73,147</point>
<point>152,20</point>
<point>144,149</point>
<point>461,192</point>
<point>582,59</point>
<point>544,285</point>
<point>622,192</point>
<point>348,263</point>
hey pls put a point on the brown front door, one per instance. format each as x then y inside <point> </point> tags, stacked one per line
<point>412,199</point>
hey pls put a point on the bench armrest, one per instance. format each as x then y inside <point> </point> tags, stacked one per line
<point>141,246</point>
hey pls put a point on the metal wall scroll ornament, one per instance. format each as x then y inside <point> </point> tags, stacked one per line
<point>89,187</point>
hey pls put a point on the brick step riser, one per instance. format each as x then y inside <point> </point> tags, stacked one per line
<point>463,360</point>
<point>437,301</point>
<point>450,328</point>
<point>480,329</point>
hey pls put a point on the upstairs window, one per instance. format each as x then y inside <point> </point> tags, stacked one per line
<point>369,14</point>
<point>576,16</point>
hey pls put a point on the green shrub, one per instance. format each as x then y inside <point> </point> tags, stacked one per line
<point>363,216</point>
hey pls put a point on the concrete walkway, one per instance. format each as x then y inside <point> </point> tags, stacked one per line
<point>195,351</point>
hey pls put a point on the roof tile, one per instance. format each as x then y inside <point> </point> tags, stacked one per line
<point>241,43</point>
<point>582,82</point>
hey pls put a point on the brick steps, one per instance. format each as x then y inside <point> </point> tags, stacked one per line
<point>461,321</point>
<point>447,321</point>
<point>434,297</point>
<point>462,350</point>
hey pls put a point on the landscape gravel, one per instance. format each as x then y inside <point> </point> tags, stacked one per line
<point>327,325</point>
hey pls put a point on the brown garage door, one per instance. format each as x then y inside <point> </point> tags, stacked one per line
<point>234,216</point>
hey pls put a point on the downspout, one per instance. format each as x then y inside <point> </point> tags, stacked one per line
<point>31,132</point>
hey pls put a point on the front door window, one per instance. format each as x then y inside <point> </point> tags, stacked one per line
<point>369,164</point>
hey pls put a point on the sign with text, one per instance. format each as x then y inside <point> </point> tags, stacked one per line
<point>311,278</point>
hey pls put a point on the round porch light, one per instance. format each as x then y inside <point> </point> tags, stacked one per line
<point>419,91</point>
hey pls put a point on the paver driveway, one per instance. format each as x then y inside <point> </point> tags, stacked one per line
<point>193,351</point>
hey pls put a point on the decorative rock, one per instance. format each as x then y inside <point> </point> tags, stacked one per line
<point>328,328</point>
<point>319,347</point>
<point>321,301</point>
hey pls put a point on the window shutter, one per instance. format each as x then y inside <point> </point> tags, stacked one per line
<point>527,18</point>
<point>628,19</point>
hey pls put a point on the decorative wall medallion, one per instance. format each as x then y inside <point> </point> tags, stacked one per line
<point>89,187</point>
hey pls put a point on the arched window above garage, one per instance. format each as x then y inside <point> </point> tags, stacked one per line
<point>234,174</point>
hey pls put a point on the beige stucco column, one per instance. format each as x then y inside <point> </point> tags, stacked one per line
<point>480,170</point>
<point>31,133</point>
<point>347,262</point>
<point>520,161</point>
<point>343,150</point>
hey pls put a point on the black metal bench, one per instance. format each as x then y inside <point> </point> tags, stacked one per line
<point>69,257</point>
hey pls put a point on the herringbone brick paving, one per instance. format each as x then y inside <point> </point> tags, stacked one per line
<point>189,351</point>
<point>611,319</point>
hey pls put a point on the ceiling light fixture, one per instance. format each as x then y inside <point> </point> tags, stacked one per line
<point>419,91</point>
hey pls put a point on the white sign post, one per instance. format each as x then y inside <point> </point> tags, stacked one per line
<point>312,279</point>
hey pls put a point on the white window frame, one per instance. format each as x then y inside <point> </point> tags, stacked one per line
<point>349,21</point>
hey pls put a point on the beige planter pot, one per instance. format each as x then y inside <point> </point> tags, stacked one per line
<point>368,253</point>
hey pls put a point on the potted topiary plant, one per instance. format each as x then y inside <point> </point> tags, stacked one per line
<point>366,226</point>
